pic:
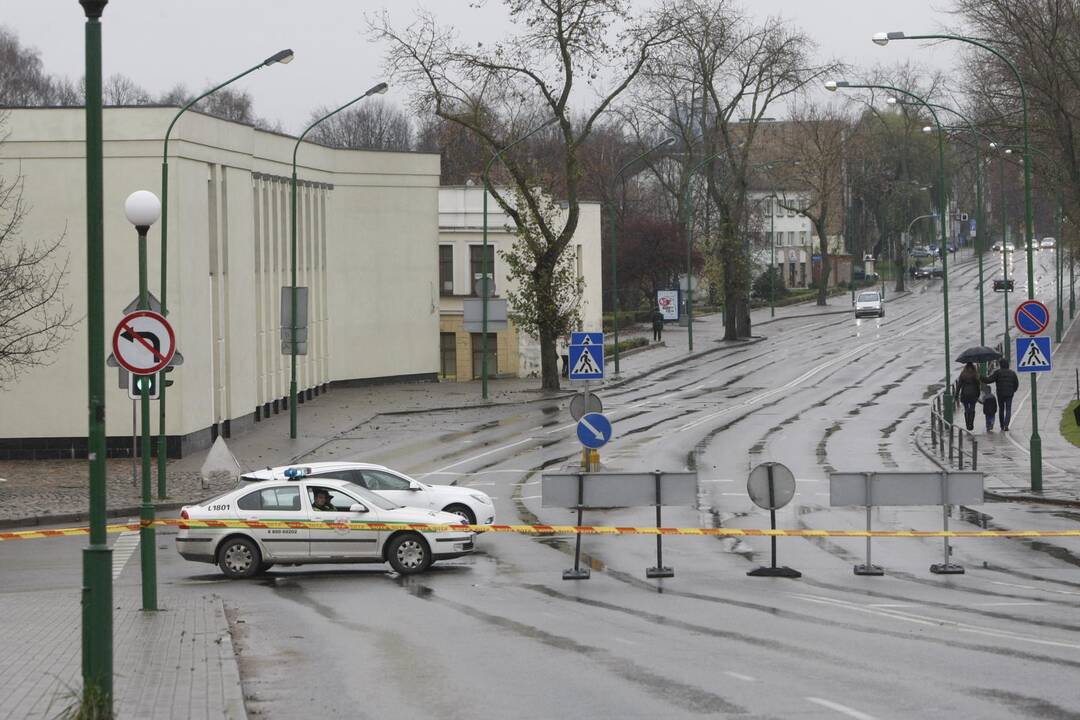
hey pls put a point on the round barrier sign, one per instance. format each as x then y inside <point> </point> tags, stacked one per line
<point>582,404</point>
<point>771,485</point>
<point>143,342</point>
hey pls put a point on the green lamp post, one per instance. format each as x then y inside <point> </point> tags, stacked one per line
<point>614,235</point>
<point>484,253</point>
<point>377,90</point>
<point>97,621</point>
<point>884,38</point>
<point>284,56</point>
<point>834,85</point>
<point>142,209</point>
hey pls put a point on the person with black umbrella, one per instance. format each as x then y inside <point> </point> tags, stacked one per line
<point>1007,384</point>
<point>967,392</point>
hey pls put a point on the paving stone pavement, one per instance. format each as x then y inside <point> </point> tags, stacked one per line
<point>175,663</point>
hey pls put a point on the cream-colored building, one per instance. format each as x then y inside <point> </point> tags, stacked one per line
<point>367,222</point>
<point>461,225</point>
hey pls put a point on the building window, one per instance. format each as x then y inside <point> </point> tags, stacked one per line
<point>768,238</point>
<point>476,253</point>
<point>448,355</point>
<point>446,269</point>
<point>768,207</point>
<point>478,355</point>
<point>802,274</point>
<point>791,211</point>
<point>802,237</point>
<point>791,274</point>
<point>791,237</point>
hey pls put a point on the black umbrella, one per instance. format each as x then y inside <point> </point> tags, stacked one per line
<point>978,354</point>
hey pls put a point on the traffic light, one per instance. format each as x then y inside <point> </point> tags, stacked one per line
<point>168,382</point>
<point>136,384</point>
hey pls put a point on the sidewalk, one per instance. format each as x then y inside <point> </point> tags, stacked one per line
<point>49,491</point>
<point>177,662</point>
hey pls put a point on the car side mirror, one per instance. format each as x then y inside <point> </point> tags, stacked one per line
<point>413,487</point>
<point>358,508</point>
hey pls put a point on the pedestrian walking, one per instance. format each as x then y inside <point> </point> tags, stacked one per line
<point>657,324</point>
<point>1007,383</point>
<point>989,406</point>
<point>967,392</point>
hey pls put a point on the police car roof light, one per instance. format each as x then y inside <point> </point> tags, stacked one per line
<point>296,473</point>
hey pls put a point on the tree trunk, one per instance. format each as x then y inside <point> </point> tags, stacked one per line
<point>899,265</point>
<point>823,286</point>
<point>549,362</point>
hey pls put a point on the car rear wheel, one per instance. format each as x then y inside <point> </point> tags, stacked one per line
<point>463,512</point>
<point>408,554</point>
<point>239,558</point>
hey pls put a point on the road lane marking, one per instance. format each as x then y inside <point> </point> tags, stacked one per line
<point>123,549</point>
<point>740,676</point>
<point>842,709</point>
<point>477,457</point>
<point>932,621</point>
<point>1032,587</point>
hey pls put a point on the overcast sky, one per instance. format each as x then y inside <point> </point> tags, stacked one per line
<point>159,43</point>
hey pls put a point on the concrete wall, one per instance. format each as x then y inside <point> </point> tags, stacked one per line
<point>461,223</point>
<point>366,224</point>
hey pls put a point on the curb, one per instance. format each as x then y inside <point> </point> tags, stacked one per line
<point>82,517</point>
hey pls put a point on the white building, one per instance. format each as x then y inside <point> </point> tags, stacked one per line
<point>461,225</point>
<point>796,240</point>
<point>367,222</point>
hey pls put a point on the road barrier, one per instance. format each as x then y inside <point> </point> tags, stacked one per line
<point>545,530</point>
<point>940,428</point>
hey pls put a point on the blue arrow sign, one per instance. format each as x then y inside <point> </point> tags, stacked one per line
<point>594,430</point>
<point>1033,354</point>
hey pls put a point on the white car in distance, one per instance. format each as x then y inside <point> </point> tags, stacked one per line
<point>473,506</point>
<point>243,552</point>
<point>868,304</point>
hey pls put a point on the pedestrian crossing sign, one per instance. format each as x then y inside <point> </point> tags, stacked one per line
<point>1033,354</point>
<point>587,357</point>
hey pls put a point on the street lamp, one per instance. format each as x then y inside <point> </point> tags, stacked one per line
<point>283,57</point>
<point>143,209</point>
<point>483,257</point>
<point>883,38</point>
<point>614,234</point>
<point>980,246</point>
<point>376,90</point>
<point>832,86</point>
<point>1006,342</point>
<point>97,619</point>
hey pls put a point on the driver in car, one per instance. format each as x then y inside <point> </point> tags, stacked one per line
<point>322,501</point>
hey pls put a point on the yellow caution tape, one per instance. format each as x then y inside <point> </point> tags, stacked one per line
<point>539,530</point>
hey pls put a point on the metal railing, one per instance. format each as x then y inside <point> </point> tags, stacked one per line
<point>948,441</point>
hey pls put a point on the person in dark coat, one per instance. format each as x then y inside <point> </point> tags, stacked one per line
<point>657,324</point>
<point>989,403</point>
<point>967,392</point>
<point>1007,383</point>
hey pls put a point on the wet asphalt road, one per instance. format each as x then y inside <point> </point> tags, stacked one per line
<point>500,634</point>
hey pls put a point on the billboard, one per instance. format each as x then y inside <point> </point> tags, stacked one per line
<point>668,302</point>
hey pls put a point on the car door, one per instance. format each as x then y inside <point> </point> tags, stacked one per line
<point>340,542</point>
<point>279,502</point>
<point>398,489</point>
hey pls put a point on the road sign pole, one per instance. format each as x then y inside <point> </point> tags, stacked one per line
<point>147,533</point>
<point>97,619</point>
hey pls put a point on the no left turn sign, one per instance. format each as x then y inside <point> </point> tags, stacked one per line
<point>143,342</point>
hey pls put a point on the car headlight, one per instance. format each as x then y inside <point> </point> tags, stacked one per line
<point>480,498</point>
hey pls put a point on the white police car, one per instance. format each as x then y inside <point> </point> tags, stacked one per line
<point>244,552</point>
<point>474,506</point>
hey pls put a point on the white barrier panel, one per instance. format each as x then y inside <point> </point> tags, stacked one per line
<point>614,489</point>
<point>905,488</point>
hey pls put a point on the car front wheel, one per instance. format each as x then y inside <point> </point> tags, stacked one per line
<point>463,512</point>
<point>408,554</point>
<point>239,558</point>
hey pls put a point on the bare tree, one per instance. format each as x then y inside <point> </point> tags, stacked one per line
<point>814,144</point>
<point>226,103</point>
<point>120,90</point>
<point>373,125</point>
<point>501,91</point>
<point>743,70</point>
<point>23,80</point>
<point>34,319</point>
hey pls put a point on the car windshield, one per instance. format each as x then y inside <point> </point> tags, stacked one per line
<point>369,497</point>
<point>868,297</point>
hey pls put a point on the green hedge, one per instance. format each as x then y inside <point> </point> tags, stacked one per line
<point>625,345</point>
<point>1069,429</point>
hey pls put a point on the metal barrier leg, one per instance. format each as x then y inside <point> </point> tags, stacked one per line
<point>947,567</point>
<point>868,568</point>
<point>578,572</point>
<point>974,454</point>
<point>960,453</point>
<point>659,571</point>
<point>952,429</point>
